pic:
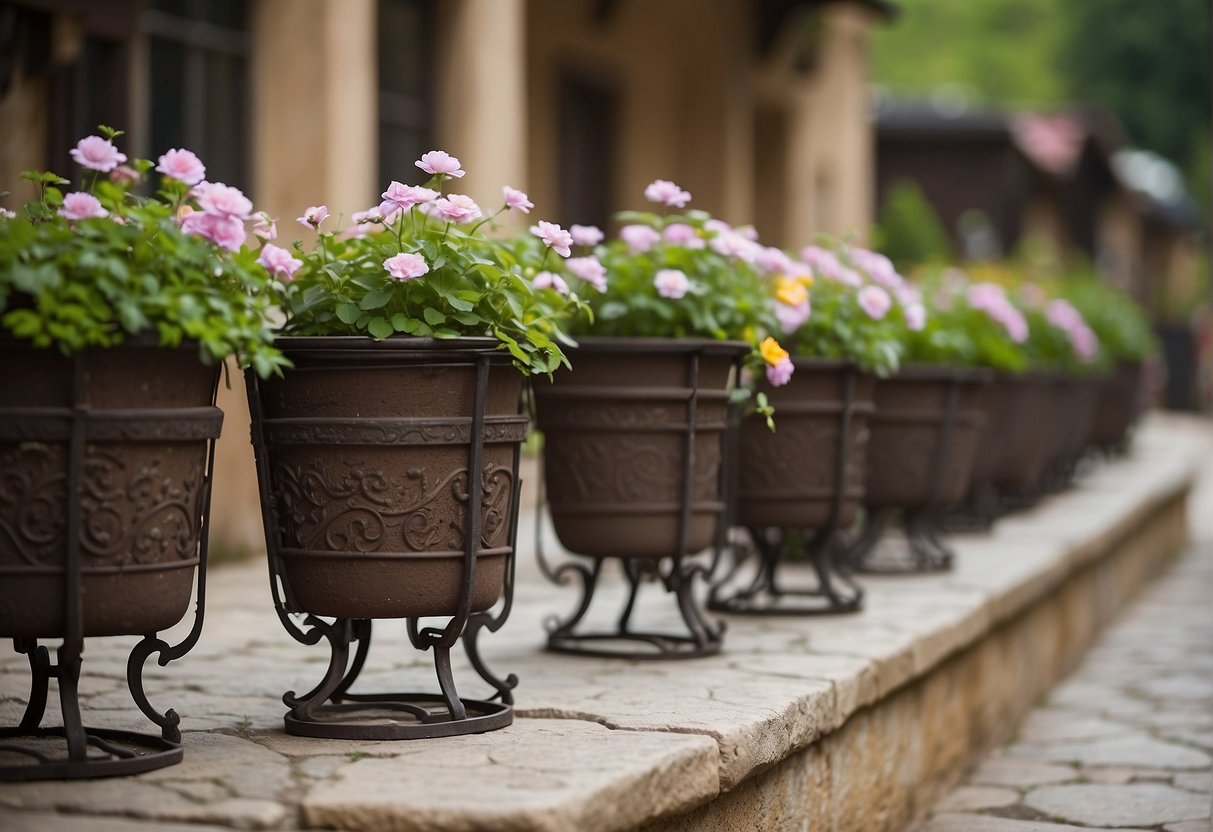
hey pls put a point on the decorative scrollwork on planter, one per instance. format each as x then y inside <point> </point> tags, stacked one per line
<point>591,468</point>
<point>33,504</point>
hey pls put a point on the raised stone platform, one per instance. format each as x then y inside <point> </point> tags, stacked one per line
<point>852,723</point>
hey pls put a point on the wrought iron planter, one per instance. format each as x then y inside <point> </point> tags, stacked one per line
<point>796,488</point>
<point>1073,406</point>
<point>1121,399</point>
<point>1019,473</point>
<point>1004,408</point>
<point>633,470</point>
<point>920,453</point>
<point>389,489</point>
<point>105,477</point>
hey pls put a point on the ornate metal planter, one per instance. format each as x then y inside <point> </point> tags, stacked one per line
<point>1008,423</point>
<point>1121,398</point>
<point>1073,406</point>
<point>798,486</point>
<point>389,489</point>
<point>923,437</point>
<point>1020,469</point>
<point>105,476</point>
<point>632,461</point>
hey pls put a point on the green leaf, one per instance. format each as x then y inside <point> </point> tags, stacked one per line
<point>433,317</point>
<point>375,300</point>
<point>380,328</point>
<point>348,313</point>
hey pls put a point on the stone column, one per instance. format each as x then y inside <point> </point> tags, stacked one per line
<point>481,101</point>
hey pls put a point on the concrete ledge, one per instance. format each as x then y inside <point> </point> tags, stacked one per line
<point>851,723</point>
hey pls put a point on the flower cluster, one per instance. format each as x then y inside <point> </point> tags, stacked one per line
<point>681,274</point>
<point>1063,315</point>
<point>91,266</point>
<point>418,263</point>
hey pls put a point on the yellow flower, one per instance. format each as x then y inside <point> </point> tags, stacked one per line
<point>805,279</point>
<point>772,353</point>
<point>790,292</point>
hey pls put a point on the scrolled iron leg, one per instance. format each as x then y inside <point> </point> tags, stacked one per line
<point>70,660</point>
<point>339,635</point>
<point>40,674</point>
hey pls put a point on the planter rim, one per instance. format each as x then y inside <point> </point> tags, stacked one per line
<point>674,346</point>
<point>808,362</point>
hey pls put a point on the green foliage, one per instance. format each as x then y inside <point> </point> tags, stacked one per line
<point>474,286</point>
<point>839,328</point>
<point>1124,331</point>
<point>71,284</point>
<point>958,333</point>
<point>910,233</point>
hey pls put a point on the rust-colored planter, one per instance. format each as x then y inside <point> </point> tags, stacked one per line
<point>366,463</point>
<point>138,510</point>
<point>105,466</point>
<point>789,477</point>
<point>615,444</point>
<point>1121,399</point>
<point>633,465</point>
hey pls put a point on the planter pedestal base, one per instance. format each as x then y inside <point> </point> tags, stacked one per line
<point>925,550</point>
<point>329,711</point>
<point>766,594</point>
<point>703,638</point>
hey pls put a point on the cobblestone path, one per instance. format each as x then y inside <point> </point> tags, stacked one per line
<point>1126,742</point>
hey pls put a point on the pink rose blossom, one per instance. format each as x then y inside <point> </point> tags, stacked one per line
<point>589,270</point>
<point>279,262</point>
<point>182,165</point>
<point>7,214</point>
<point>877,267</point>
<point>96,153</point>
<point>440,163</point>
<point>716,226</point>
<point>555,237</point>
<point>1063,315</point>
<point>456,208</point>
<point>550,280</point>
<point>916,317</point>
<point>586,235</point>
<point>780,373</point>
<point>81,206</point>
<point>736,245</point>
<point>406,266</point>
<point>126,176</point>
<point>222,200</point>
<point>1085,343</point>
<point>639,238</point>
<point>516,200</point>
<point>826,265</point>
<point>747,231</point>
<point>666,193</point>
<point>672,284</point>
<point>222,230</point>
<point>400,197</point>
<point>370,215</point>
<point>265,227</point>
<point>992,300</point>
<point>874,301</point>
<point>773,261</point>
<point>314,216</point>
<point>682,234</point>
<point>792,318</point>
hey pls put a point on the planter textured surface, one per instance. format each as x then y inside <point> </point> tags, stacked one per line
<point>1025,453</point>
<point>142,498</point>
<point>369,503</point>
<point>615,443</point>
<point>1120,403</point>
<point>914,459</point>
<point>787,478</point>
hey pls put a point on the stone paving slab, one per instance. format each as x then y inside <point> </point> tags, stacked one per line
<point>598,744</point>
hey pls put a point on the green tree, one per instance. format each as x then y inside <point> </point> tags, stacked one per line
<point>910,232</point>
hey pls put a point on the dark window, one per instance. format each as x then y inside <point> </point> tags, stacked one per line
<point>406,61</point>
<point>198,77</point>
<point>586,164</point>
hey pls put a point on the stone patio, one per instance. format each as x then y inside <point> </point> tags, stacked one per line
<point>855,722</point>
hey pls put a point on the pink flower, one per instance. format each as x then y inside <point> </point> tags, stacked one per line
<point>456,208</point>
<point>773,261</point>
<point>406,266</point>
<point>780,373</point>
<point>734,244</point>
<point>1085,343</point>
<point>182,165</point>
<point>125,175</point>
<point>372,214</point>
<point>874,301</point>
<point>399,197</point>
<point>639,238</point>
<point>667,193</point>
<point>792,318</point>
<point>716,226</point>
<point>586,235</point>
<point>264,227</point>
<point>1063,315</point>
<point>440,163</point>
<point>222,230</point>
<point>1032,295</point>
<point>279,262</point>
<point>671,283</point>
<point>96,153</point>
<point>555,237</point>
<point>314,215</point>
<point>81,206</point>
<point>589,270</point>
<point>223,200</point>
<point>7,214</point>
<point>516,200</point>
<point>550,280</point>
<point>878,267</point>
<point>681,234</point>
<point>916,317</point>
<point>747,231</point>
